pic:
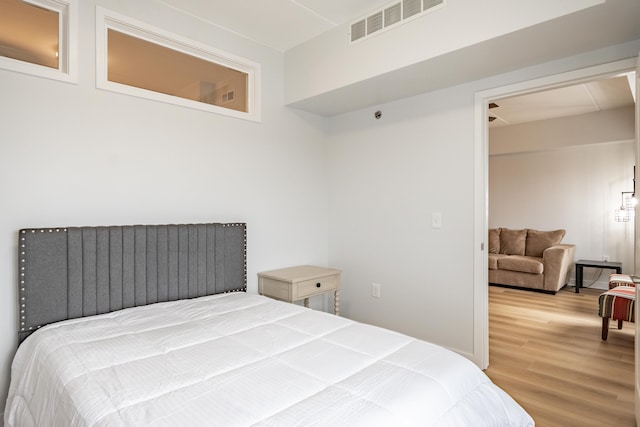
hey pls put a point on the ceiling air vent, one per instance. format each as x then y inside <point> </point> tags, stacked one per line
<point>358,30</point>
<point>394,13</point>
<point>410,8</point>
<point>428,4</point>
<point>374,23</point>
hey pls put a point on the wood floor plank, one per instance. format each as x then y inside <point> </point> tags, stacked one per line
<point>547,353</point>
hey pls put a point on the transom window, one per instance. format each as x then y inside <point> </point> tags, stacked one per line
<point>37,36</point>
<point>139,60</point>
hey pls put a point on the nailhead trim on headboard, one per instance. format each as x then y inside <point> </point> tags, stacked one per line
<point>241,224</point>
<point>23,272</point>
<point>199,273</point>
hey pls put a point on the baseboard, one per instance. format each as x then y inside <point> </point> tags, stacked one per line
<point>523,288</point>
<point>586,284</point>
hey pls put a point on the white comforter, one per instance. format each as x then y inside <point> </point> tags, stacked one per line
<point>244,360</point>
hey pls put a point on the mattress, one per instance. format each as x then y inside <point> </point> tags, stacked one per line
<point>244,360</point>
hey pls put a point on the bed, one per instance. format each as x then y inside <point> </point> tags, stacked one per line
<point>152,325</point>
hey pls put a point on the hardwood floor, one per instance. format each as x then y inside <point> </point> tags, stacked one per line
<point>547,353</point>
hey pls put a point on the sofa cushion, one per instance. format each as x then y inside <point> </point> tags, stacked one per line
<point>493,260</point>
<point>494,240</point>
<point>512,242</point>
<point>538,241</point>
<point>522,264</point>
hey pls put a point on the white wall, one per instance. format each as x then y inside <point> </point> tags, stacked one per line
<point>567,173</point>
<point>600,127</point>
<point>74,155</point>
<point>387,178</point>
<point>577,189</point>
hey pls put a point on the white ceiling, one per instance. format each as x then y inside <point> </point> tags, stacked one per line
<point>589,97</point>
<point>283,24</point>
<point>279,24</point>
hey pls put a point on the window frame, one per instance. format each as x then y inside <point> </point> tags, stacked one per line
<point>67,70</point>
<point>107,19</point>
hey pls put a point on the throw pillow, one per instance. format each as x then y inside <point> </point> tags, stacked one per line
<point>512,242</point>
<point>538,241</point>
<point>494,240</point>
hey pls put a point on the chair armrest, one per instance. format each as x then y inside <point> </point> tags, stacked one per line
<point>557,261</point>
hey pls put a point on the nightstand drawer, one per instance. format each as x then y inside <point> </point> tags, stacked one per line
<point>301,282</point>
<point>275,289</point>
<point>308,288</point>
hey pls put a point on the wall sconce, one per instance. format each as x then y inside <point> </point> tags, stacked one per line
<point>629,202</point>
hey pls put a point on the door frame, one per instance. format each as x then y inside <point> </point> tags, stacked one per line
<point>636,246</point>
<point>481,181</point>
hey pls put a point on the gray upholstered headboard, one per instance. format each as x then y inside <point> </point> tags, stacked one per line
<point>70,272</point>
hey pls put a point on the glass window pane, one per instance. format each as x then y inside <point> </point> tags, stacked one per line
<point>136,62</point>
<point>29,33</point>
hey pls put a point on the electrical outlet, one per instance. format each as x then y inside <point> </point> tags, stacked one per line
<point>375,290</point>
<point>605,258</point>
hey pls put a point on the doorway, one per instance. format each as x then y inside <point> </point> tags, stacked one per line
<point>560,159</point>
<point>481,139</point>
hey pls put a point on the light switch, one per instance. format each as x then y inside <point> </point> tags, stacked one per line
<point>436,220</point>
<point>375,290</point>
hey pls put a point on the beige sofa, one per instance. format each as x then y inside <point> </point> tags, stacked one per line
<point>529,259</point>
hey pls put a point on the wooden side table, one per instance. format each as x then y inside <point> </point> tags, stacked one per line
<point>301,282</point>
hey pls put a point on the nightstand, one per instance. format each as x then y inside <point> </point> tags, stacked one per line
<point>299,283</point>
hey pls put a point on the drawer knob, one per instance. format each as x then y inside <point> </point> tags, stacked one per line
<point>318,285</point>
